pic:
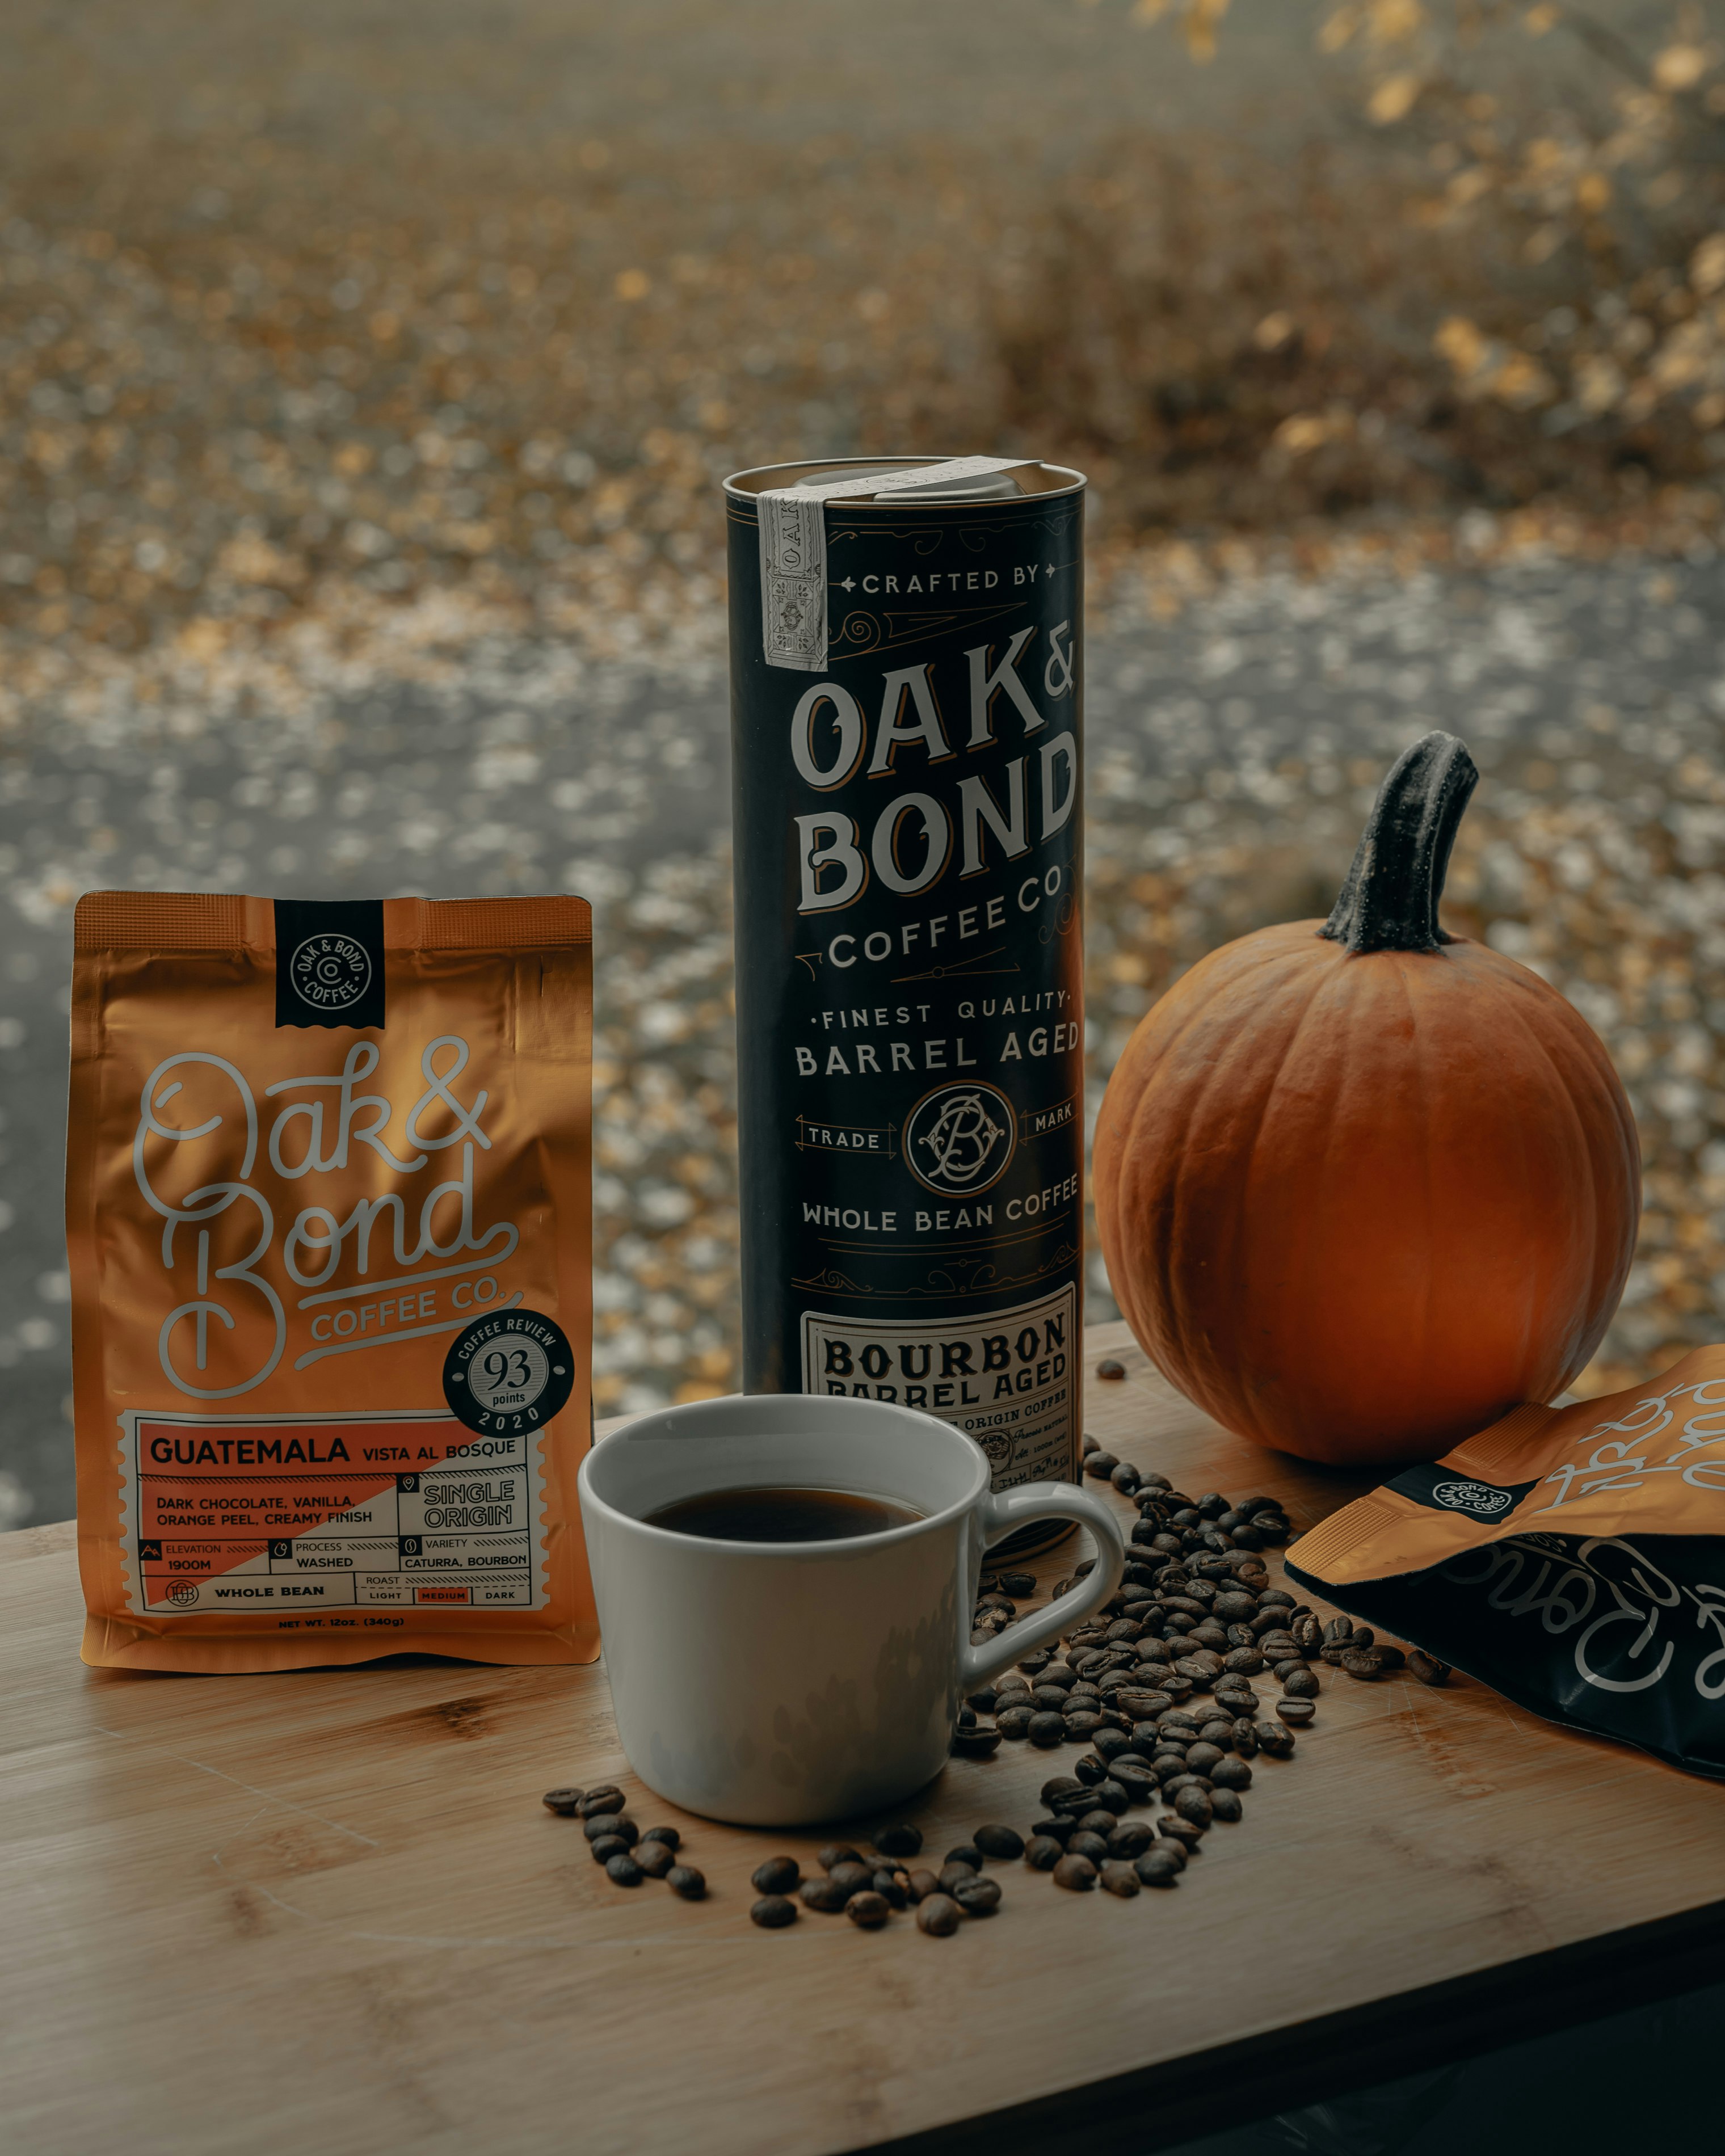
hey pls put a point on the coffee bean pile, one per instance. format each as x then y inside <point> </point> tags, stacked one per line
<point>614,1841</point>
<point>1162,1684</point>
<point>868,1887</point>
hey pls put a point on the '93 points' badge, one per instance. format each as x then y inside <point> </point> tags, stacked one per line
<point>512,1372</point>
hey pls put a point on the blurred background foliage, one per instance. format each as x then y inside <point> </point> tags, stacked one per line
<point>348,348</point>
<point>301,304</point>
<point>1502,280</point>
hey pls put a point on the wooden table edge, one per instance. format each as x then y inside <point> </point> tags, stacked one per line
<point>1306,2062</point>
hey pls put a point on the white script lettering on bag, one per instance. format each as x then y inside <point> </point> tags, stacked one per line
<point>308,1137</point>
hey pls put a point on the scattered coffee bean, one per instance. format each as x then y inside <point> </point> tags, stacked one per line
<point>1013,1723</point>
<point>1391,1658</point>
<point>622,1870</point>
<point>1086,1844</point>
<point>607,1798</point>
<point>772,1913</point>
<point>1363,1662</point>
<point>1295,1712</point>
<point>1118,1877</point>
<point>838,1852</point>
<point>668,1835</point>
<point>1231,1774</point>
<point>1186,1832</point>
<point>1125,1478</point>
<point>1273,1739</point>
<point>778,1875</point>
<point>1108,1367</point>
<point>1307,1634</point>
<point>1076,1873</point>
<point>564,1802</point>
<point>1042,1852</point>
<point>825,1896</point>
<point>939,1915</point>
<point>1225,1805</point>
<point>685,1880</point>
<point>1058,1828</point>
<point>654,1858</point>
<point>617,1823</point>
<point>1002,1842</point>
<point>1097,1822</point>
<point>1194,1805</point>
<point>1060,1675</point>
<point>1171,1790</point>
<point>606,1847</point>
<point>1245,1738</point>
<point>1137,1781</point>
<point>1202,1758</point>
<point>1090,1444</point>
<point>976,1743</point>
<point>955,1874</point>
<point>1302,1684</point>
<point>1428,1668</point>
<point>1100,1464</point>
<point>978,1897</point>
<point>850,1876</point>
<point>893,1887</point>
<point>1130,1839</point>
<point>1046,1729</point>
<point>1081,1724</point>
<point>966,1852</point>
<point>1019,1584</point>
<point>923,1883</point>
<point>901,1839</point>
<point>1155,1867</point>
<point>868,1911</point>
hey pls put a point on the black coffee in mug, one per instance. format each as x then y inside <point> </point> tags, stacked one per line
<point>779,1515</point>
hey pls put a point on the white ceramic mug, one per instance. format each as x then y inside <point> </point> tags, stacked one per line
<point>775,1684</point>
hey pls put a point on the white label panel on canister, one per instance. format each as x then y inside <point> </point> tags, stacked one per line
<point>1008,1379</point>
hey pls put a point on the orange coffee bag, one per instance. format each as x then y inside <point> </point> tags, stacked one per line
<point>327,1207</point>
<point>1572,1558</point>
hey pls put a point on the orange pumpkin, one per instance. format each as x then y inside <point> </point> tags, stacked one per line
<point>1363,1186</point>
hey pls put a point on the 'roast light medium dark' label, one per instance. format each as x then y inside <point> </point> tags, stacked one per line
<point>909,869</point>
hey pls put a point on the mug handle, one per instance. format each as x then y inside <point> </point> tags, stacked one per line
<point>998,1515</point>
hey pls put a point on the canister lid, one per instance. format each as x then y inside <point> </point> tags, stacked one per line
<point>1030,477</point>
<point>986,486</point>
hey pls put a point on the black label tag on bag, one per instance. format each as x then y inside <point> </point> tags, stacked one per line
<point>1443,1489</point>
<point>328,962</point>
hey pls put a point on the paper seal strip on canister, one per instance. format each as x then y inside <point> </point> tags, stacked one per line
<point>793,552</point>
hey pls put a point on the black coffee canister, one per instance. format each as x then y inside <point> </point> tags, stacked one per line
<point>906,641</point>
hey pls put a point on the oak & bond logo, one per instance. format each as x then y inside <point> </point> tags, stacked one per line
<point>959,1139</point>
<point>1479,1499</point>
<point>330,972</point>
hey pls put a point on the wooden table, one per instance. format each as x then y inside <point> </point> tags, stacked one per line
<point>326,1912</point>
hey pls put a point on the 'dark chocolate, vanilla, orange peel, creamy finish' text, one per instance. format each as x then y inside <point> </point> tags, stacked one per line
<point>327,1214</point>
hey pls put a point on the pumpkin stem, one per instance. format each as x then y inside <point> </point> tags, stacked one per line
<point>1389,901</point>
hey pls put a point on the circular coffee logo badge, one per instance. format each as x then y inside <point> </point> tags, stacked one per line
<point>1479,1498</point>
<point>330,972</point>
<point>958,1139</point>
<point>511,1372</point>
